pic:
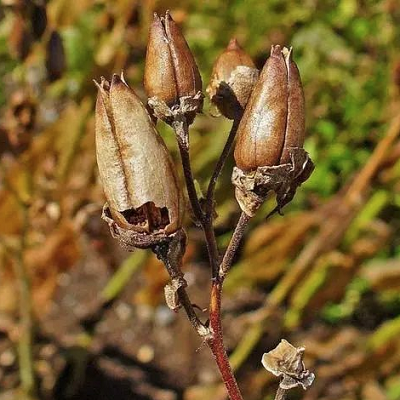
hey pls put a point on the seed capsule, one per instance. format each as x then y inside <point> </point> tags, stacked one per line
<point>233,78</point>
<point>273,120</point>
<point>170,71</point>
<point>136,170</point>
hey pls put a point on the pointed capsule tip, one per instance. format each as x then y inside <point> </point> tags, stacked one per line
<point>233,44</point>
<point>103,84</point>
<point>276,50</point>
<point>123,77</point>
<point>287,52</point>
<point>116,80</point>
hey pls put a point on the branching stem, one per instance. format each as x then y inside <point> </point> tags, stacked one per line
<point>233,245</point>
<point>214,336</point>
<point>218,168</point>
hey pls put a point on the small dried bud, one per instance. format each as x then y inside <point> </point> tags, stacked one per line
<point>286,361</point>
<point>170,71</point>
<point>269,150</point>
<point>233,78</point>
<point>136,170</point>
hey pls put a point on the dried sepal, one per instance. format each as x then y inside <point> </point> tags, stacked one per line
<point>171,73</point>
<point>136,170</point>
<point>233,78</point>
<point>187,108</point>
<point>171,293</point>
<point>253,187</point>
<point>286,361</point>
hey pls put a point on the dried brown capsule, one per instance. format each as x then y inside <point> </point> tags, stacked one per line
<point>233,78</point>
<point>136,170</point>
<point>269,150</point>
<point>170,71</point>
<point>261,133</point>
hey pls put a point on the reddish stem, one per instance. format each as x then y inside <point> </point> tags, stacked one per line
<point>216,344</point>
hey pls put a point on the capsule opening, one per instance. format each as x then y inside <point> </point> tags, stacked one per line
<point>148,217</point>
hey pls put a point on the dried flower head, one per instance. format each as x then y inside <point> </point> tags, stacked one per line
<point>233,78</point>
<point>286,361</point>
<point>136,170</point>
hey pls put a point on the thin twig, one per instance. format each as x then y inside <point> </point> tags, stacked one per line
<point>212,248</point>
<point>233,245</point>
<point>218,168</point>
<point>180,127</point>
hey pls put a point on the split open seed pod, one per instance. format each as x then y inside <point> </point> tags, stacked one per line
<point>144,200</point>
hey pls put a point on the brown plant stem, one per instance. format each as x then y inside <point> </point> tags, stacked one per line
<point>233,245</point>
<point>217,346</point>
<point>181,129</point>
<point>214,337</point>
<point>173,267</point>
<point>218,168</point>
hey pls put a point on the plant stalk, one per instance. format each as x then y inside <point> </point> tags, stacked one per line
<point>25,341</point>
<point>218,168</point>
<point>217,346</point>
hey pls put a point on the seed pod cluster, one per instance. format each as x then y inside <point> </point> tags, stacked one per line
<point>233,78</point>
<point>170,71</point>
<point>274,119</point>
<point>136,170</point>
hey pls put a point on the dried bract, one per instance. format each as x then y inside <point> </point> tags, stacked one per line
<point>139,181</point>
<point>233,78</point>
<point>171,73</point>
<point>286,361</point>
<point>269,150</point>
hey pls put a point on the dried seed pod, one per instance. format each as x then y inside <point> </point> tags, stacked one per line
<point>136,170</point>
<point>261,133</point>
<point>233,78</point>
<point>269,150</point>
<point>170,71</point>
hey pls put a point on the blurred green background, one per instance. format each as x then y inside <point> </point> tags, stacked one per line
<point>326,275</point>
